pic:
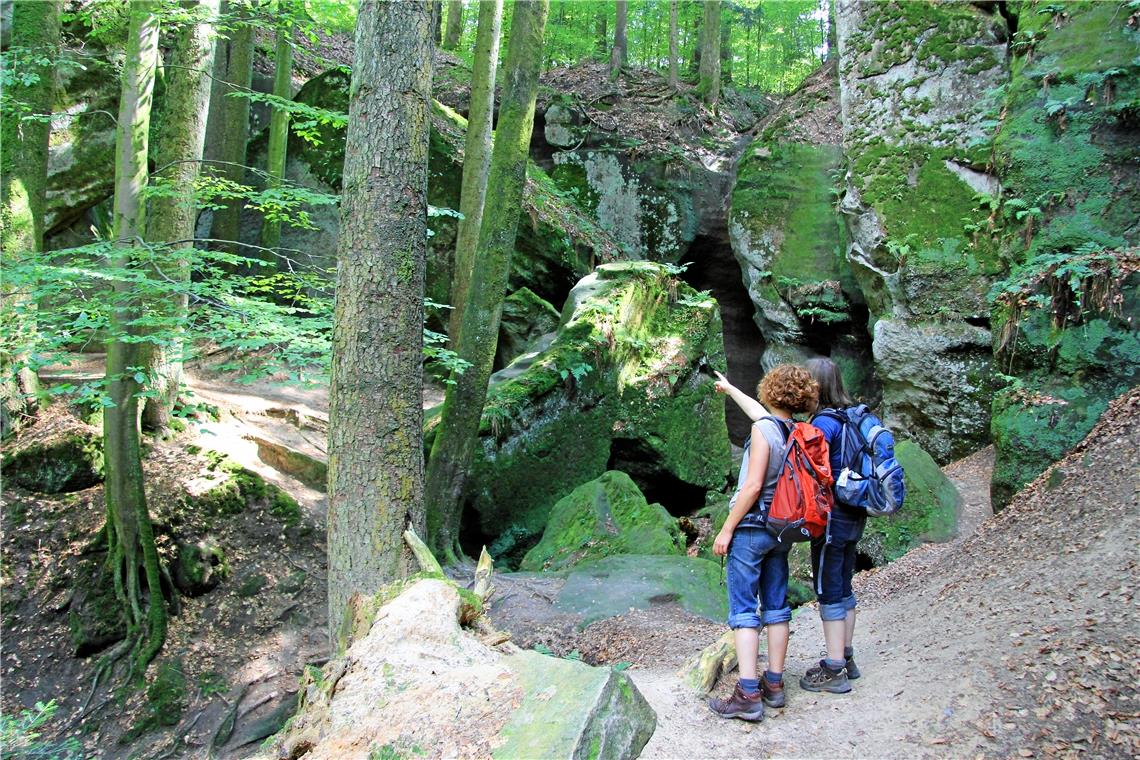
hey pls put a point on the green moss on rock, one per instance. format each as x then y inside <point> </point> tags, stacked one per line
<point>929,514</point>
<point>60,455</point>
<point>606,516</point>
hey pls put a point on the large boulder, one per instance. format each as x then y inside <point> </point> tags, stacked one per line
<point>606,516</point>
<point>624,387</point>
<point>929,514</point>
<point>1066,322</point>
<point>419,683</point>
<point>916,83</point>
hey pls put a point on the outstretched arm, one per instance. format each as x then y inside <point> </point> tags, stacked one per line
<point>750,406</point>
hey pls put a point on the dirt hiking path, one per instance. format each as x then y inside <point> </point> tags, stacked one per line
<point>1018,639</point>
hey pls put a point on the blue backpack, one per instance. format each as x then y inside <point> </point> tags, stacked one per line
<point>870,477</point>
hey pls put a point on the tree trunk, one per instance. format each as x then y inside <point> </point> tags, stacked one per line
<point>375,488</point>
<point>458,429</point>
<point>233,121</point>
<point>619,53</point>
<point>178,147</point>
<point>709,86</point>
<point>601,34</point>
<point>674,64</point>
<point>133,557</point>
<point>726,53</point>
<point>437,21</point>
<point>476,154</point>
<point>279,121</point>
<point>23,204</point>
<point>454,24</point>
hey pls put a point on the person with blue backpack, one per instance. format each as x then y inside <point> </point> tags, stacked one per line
<point>868,481</point>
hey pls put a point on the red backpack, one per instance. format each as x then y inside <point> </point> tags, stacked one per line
<point>802,501</point>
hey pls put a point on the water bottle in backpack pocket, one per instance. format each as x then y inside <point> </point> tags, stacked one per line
<point>871,478</point>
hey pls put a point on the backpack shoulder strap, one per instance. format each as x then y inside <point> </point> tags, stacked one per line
<point>784,429</point>
<point>832,414</point>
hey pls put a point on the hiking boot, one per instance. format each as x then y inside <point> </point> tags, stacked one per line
<point>773,693</point>
<point>852,669</point>
<point>739,705</point>
<point>821,678</point>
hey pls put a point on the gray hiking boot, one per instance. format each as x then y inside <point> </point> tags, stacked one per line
<point>773,693</point>
<point>821,678</point>
<point>739,705</point>
<point>852,669</point>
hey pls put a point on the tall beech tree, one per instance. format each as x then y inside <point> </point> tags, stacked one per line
<point>279,119</point>
<point>454,24</point>
<point>458,429</point>
<point>178,146</point>
<point>674,64</point>
<point>375,486</point>
<point>709,85</point>
<point>132,556</point>
<point>228,130</point>
<point>476,153</point>
<point>620,51</point>
<point>25,125</point>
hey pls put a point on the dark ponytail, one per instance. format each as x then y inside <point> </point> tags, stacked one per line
<point>832,394</point>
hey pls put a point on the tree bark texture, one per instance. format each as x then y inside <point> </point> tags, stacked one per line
<point>133,557</point>
<point>279,121</point>
<point>619,52</point>
<point>458,430</point>
<point>476,154</point>
<point>375,487</point>
<point>710,54</point>
<point>178,146</point>
<point>674,64</point>
<point>454,24</point>
<point>232,132</point>
<point>23,188</point>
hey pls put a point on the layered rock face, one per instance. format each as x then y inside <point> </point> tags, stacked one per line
<point>1066,323</point>
<point>915,83</point>
<point>623,386</point>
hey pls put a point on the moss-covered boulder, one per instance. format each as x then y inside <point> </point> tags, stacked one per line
<point>557,242</point>
<point>917,82</point>
<point>525,318</point>
<point>929,514</point>
<point>1065,322</point>
<point>623,386</point>
<point>606,516</point>
<point>58,454</point>
<point>199,567</point>
<point>399,687</point>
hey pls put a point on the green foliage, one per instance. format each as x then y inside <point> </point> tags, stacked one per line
<point>20,735</point>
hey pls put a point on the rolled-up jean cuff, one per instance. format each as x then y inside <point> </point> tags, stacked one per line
<point>848,602</point>
<point>771,617</point>
<point>744,620</point>
<point>836,611</point>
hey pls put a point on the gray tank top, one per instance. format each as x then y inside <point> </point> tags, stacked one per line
<point>770,429</point>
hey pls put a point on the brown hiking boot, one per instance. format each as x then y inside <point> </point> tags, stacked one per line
<point>739,705</point>
<point>773,693</point>
<point>822,678</point>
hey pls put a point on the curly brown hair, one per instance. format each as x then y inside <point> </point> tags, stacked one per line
<point>789,387</point>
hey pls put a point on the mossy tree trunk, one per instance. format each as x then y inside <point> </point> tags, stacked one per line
<point>454,24</point>
<point>458,432</point>
<point>133,557</point>
<point>279,119</point>
<point>235,68</point>
<point>709,86</point>
<point>619,52</point>
<point>375,487</point>
<point>674,64</point>
<point>23,188</point>
<point>476,153</point>
<point>178,146</point>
